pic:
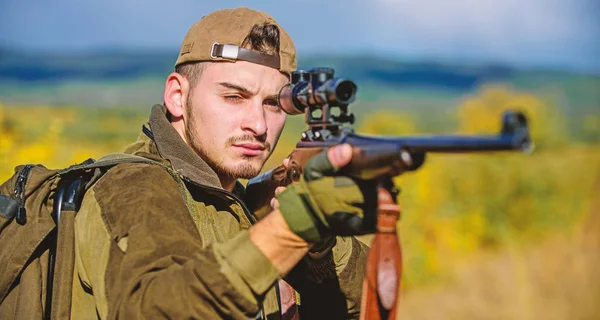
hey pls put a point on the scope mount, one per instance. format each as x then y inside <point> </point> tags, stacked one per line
<point>323,123</point>
<point>324,119</point>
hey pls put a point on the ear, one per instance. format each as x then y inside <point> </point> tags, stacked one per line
<point>177,89</point>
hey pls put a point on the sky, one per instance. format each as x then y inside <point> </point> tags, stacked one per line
<point>562,34</point>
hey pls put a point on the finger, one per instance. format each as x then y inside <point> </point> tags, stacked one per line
<point>286,162</point>
<point>340,155</point>
<point>328,163</point>
<point>279,190</point>
<point>274,204</point>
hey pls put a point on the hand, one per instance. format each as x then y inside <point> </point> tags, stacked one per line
<point>324,204</point>
<point>274,203</point>
<point>323,246</point>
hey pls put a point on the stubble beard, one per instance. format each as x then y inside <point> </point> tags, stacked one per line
<point>245,170</point>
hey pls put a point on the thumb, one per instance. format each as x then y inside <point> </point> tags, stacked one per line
<point>340,155</point>
<point>327,163</point>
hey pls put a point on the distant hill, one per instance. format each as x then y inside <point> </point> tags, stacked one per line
<point>123,66</point>
<point>137,78</point>
<point>31,67</point>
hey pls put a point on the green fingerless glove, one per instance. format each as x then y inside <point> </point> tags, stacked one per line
<point>323,204</point>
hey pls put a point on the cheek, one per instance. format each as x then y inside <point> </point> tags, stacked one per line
<point>276,123</point>
<point>211,115</point>
<point>209,124</point>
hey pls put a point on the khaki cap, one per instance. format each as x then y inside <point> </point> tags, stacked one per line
<point>219,35</point>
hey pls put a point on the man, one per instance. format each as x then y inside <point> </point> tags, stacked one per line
<point>152,243</point>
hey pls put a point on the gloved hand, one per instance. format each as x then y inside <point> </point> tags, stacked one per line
<point>323,204</point>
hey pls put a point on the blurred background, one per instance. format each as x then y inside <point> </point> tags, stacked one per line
<point>503,236</point>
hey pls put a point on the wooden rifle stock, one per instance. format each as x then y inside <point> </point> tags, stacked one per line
<point>381,285</point>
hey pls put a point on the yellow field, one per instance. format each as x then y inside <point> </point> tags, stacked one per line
<point>510,236</point>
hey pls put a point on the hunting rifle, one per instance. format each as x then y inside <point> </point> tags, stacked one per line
<point>324,101</point>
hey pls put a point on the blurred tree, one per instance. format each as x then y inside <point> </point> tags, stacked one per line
<point>591,128</point>
<point>387,122</point>
<point>480,113</point>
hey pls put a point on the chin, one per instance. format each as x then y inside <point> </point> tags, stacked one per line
<point>245,174</point>
<point>245,169</point>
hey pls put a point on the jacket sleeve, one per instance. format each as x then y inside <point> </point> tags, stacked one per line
<point>331,287</point>
<point>156,265</point>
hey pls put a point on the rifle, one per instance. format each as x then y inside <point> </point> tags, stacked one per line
<point>324,100</point>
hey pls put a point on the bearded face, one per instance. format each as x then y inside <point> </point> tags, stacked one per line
<point>232,118</point>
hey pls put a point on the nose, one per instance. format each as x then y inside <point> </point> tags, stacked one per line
<point>255,121</point>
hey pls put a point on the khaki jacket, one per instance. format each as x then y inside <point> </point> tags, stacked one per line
<point>147,248</point>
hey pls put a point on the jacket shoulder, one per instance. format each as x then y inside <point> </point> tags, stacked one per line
<point>131,194</point>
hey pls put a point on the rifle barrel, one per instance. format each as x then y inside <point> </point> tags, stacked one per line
<point>453,144</point>
<point>513,136</point>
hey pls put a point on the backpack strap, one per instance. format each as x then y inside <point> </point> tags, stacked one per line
<point>74,191</point>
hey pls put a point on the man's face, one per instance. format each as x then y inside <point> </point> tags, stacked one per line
<point>232,118</point>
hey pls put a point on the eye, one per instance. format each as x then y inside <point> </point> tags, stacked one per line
<point>273,104</point>
<point>233,98</point>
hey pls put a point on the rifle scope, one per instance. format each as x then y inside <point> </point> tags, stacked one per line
<point>314,89</point>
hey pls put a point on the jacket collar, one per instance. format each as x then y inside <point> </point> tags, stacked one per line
<point>183,159</point>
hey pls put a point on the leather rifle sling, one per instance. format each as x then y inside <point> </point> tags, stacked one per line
<point>381,285</point>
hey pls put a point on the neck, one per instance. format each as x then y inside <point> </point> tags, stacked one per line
<point>227,183</point>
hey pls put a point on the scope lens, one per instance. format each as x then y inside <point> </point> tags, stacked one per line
<point>345,91</point>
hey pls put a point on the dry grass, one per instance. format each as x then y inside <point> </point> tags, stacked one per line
<point>557,279</point>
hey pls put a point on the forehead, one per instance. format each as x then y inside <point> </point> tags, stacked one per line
<point>254,77</point>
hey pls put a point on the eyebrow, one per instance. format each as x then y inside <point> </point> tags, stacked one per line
<point>237,87</point>
<point>244,90</point>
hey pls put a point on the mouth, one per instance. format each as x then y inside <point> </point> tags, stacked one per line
<point>249,148</point>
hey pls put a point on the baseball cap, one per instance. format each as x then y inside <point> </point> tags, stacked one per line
<point>218,36</point>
